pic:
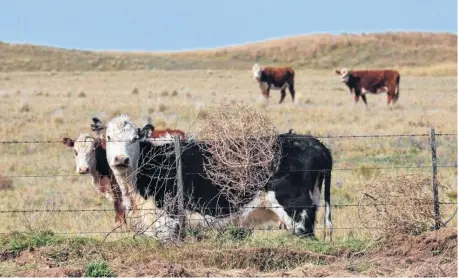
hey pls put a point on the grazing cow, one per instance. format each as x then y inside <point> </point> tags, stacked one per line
<point>293,192</point>
<point>362,82</point>
<point>277,78</point>
<point>90,158</point>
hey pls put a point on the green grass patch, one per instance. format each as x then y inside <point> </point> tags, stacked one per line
<point>98,269</point>
<point>17,242</point>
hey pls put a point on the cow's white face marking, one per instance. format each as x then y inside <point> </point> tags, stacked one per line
<point>344,75</point>
<point>122,144</point>
<point>256,70</point>
<point>84,151</point>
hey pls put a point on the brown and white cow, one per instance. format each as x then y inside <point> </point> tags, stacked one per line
<point>362,82</point>
<point>91,158</point>
<point>277,78</point>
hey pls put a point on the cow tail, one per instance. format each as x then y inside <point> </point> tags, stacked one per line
<point>327,202</point>
<point>291,73</point>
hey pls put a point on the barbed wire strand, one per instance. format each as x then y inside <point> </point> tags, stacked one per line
<point>288,171</point>
<point>335,206</point>
<point>209,140</point>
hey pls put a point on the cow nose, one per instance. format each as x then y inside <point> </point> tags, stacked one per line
<point>83,170</point>
<point>121,160</point>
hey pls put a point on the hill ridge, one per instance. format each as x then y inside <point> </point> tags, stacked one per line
<point>433,53</point>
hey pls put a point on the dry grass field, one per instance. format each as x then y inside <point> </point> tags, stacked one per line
<point>47,106</point>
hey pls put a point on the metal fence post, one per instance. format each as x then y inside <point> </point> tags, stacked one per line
<point>435,184</point>
<point>180,194</point>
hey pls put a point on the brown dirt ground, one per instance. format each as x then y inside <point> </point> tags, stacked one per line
<point>430,254</point>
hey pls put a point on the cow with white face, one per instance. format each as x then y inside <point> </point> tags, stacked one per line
<point>146,169</point>
<point>122,139</point>
<point>84,149</point>
<point>344,75</point>
<point>363,82</point>
<point>90,158</point>
<point>276,78</point>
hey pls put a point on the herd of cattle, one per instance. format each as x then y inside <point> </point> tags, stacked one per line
<point>360,82</point>
<point>135,168</point>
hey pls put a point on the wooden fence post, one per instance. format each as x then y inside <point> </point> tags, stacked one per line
<point>435,184</point>
<point>180,193</point>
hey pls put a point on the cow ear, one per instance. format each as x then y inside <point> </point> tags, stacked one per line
<point>68,142</point>
<point>97,125</point>
<point>146,131</point>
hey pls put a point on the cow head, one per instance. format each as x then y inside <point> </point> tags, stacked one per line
<point>122,143</point>
<point>84,150</point>
<point>344,74</point>
<point>257,72</point>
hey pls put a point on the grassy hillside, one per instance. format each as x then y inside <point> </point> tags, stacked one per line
<point>414,53</point>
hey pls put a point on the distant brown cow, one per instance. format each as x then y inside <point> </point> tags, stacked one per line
<point>362,82</point>
<point>277,78</point>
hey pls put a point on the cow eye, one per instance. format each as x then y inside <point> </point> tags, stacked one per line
<point>135,138</point>
<point>76,153</point>
<point>108,138</point>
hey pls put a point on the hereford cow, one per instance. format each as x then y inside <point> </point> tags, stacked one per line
<point>90,158</point>
<point>148,169</point>
<point>277,78</point>
<point>362,82</point>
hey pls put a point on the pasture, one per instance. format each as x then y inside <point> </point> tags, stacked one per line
<point>47,106</point>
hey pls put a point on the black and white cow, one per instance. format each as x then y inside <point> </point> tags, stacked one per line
<point>148,167</point>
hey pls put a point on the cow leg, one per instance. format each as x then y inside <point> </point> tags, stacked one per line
<point>363,97</point>
<point>356,98</point>
<point>266,92</point>
<point>389,97</point>
<point>291,91</point>
<point>283,94</point>
<point>294,223</point>
<point>396,94</point>
<point>247,209</point>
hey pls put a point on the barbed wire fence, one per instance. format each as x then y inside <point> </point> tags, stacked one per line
<point>435,205</point>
